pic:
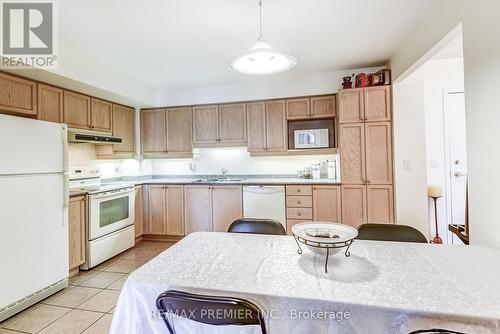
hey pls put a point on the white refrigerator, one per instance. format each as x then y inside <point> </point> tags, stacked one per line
<point>33,212</point>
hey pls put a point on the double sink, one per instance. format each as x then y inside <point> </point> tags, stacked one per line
<point>218,180</point>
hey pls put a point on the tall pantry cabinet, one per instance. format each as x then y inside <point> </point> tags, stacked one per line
<point>365,142</point>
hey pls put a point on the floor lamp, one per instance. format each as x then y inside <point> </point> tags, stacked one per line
<point>435,192</point>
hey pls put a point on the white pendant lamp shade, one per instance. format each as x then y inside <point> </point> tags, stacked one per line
<point>262,59</point>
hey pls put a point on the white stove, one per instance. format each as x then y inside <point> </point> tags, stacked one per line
<point>110,218</point>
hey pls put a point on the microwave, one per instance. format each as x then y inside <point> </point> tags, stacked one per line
<point>313,138</point>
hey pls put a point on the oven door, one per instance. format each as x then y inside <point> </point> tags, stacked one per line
<point>111,211</point>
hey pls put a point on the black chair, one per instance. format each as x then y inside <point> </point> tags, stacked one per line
<point>436,331</point>
<point>257,226</point>
<point>218,311</point>
<point>390,232</point>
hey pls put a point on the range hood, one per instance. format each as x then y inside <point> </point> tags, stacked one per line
<point>82,136</point>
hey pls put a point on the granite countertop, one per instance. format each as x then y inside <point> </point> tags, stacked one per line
<point>109,184</point>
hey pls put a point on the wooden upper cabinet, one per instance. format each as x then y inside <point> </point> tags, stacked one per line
<point>76,232</point>
<point>179,130</point>
<point>232,123</point>
<point>380,204</point>
<point>256,126</point>
<point>205,125</point>
<point>352,153</point>
<point>50,103</point>
<point>377,102</point>
<point>354,205</point>
<point>175,210</point>
<point>227,206</point>
<point>76,110</point>
<point>124,127</point>
<point>153,136</point>
<point>17,95</point>
<point>298,108</point>
<point>157,210</point>
<point>276,126</point>
<point>138,222</point>
<point>378,139</point>
<point>101,115</point>
<point>197,209</point>
<point>327,203</point>
<point>323,106</point>
<point>351,105</point>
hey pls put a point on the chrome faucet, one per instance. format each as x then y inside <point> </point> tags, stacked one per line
<point>224,173</point>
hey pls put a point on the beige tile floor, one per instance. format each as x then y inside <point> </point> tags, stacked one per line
<point>87,304</point>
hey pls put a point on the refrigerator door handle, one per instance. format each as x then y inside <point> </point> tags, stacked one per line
<point>64,129</point>
<point>66,190</point>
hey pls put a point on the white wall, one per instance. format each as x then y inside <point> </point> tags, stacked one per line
<point>259,87</point>
<point>481,28</point>
<point>440,77</point>
<point>409,144</point>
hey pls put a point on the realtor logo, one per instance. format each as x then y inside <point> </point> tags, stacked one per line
<point>28,34</point>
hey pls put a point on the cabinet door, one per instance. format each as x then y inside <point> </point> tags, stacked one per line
<point>124,127</point>
<point>380,204</point>
<point>352,153</point>
<point>205,125</point>
<point>232,123</point>
<point>327,203</point>
<point>50,103</point>
<point>153,136</point>
<point>353,205</point>
<point>76,222</point>
<point>101,113</point>
<point>351,105</point>
<point>175,210</point>
<point>179,130</point>
<point>227,206</point>
<point>76,110</point>
<point>157,210</point>
<point>276,128</point>
<point>138,212</point>
<point>17,95</point>
<point>378,153</point>
<point>256,126</point>
<point>298,108</point>
<point>377,103</point>
<point>197,209</point>
<point>323,106</point>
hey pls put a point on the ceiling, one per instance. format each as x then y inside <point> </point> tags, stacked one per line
<point>168,43</point>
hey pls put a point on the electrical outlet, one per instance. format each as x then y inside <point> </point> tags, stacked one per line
<point>407,164</point>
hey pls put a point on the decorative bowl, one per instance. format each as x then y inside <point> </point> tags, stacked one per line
<point>322,236</point>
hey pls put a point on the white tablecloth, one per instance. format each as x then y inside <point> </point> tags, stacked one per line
<point>383,287</point>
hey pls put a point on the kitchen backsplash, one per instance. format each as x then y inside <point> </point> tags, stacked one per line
<point>205,161</point>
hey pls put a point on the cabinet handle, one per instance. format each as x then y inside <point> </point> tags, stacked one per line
<point>368,181</point>
<point>365,118</point>
<point>361,118</point>
<point>298,190</point>
<point>299,214</point>
<point>299,202</point>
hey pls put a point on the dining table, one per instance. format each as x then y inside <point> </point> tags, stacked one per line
<point>382,287</point>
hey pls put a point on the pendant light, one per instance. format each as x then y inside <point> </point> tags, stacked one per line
<point>261,59</point>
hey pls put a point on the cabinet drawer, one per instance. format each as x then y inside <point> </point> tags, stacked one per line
<point>299,190</point>
<point>291,222</point>
<point>299,213</point>
<point>299,201</point>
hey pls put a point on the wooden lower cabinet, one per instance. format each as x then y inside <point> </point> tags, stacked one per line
<point>197,208</point>
<point>227,206</point>
<point>380,204</point>
<point>327,203</point>
<point>353,205</point>
<point>367,204</point>
<point>165,212</point>
<point>76,234</point>
<point>138,221</point>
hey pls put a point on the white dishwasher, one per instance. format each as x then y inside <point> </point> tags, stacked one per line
<point>267,202</point>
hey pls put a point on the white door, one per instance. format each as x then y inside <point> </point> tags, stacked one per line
<point>456,157</point>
